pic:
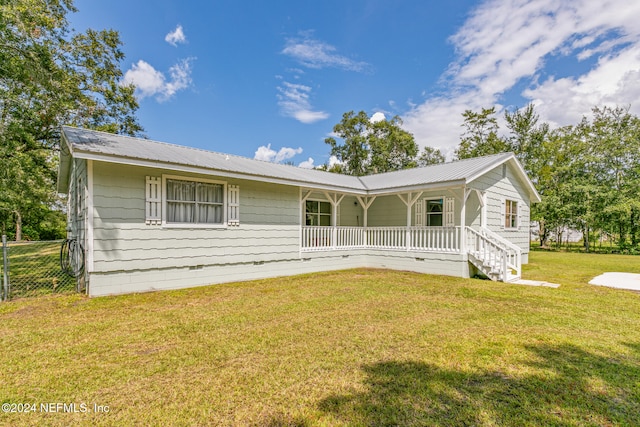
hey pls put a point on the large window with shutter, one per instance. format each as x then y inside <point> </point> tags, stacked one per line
<point>194,202</point>
<point>181,201</point>
<point>434,212</point>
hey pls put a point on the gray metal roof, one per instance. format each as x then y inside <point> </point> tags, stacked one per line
<point>85,143</point>
<point>458,171</point>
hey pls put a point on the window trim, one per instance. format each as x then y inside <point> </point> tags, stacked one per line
<point>330,215</point>
<point>508,217</point>
<point>166,224</point>
<point>426,201</point>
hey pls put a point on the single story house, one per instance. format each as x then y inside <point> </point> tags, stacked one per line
<point>153,216</point>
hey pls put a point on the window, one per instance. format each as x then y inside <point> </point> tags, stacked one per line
<point>194,202</point>
<point>511,214</point>
<point>434,212</point>
<point>318,213</point>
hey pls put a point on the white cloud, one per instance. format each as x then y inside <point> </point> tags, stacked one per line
<point>176,36</point>
<point>333,160</point>
<point>615,81</point>
<point>307,164</point>
<point>151,82</point>
<point>504,43</point>
<point>377,117</point>
<point>314,53</point>
<point>293,100</point>
<point>268,154</point>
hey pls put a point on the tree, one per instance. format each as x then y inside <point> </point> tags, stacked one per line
<point>480,136</point>
<point>527,139</point>
<point>372,147</point>
<point>50,76</point>
<point>613,138</point>
<point>430,156</point>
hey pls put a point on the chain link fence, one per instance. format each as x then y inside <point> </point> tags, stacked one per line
<point>31,269</point>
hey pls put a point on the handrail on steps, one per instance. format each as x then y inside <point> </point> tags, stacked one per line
<point>495,250</point>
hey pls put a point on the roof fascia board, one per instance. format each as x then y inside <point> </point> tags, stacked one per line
<point>216,172</point>
<point>520,171</point>
<point>417,187</point>
<point>488,168</point>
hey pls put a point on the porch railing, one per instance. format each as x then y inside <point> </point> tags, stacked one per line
<point>437,239</point>
<point>496,254</point>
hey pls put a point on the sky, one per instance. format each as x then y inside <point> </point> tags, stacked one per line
<point>270,79</point>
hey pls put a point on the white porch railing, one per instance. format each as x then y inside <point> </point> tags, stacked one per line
<point>496,255</point>
<point>435,239</point>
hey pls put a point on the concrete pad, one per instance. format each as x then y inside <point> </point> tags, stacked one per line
<point>618,280</point>
<point>535,283</point>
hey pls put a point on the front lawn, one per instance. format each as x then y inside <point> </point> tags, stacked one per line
<point>358,347</point>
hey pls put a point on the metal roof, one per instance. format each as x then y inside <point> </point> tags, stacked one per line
<point>89,144</point>
<point>459,171</point>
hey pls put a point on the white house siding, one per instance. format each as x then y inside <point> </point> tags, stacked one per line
<point>76,219</point>
<point>387,211</point>
<point>499,188</point>
<point>473,211</point>
<point>77,207</point>
<point>121,282</point>
<point>130,253</point>
<point>351,213</point>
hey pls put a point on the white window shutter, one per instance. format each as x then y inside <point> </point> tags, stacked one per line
<point>419,213</point>
<point>337,215</point>
<point>233,205</point>
<point>153,201</point>
<point>503,214</point>
<point>449,212</point>
<point>519,214</point>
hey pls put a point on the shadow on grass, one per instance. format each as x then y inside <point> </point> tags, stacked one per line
<point>570,387</point>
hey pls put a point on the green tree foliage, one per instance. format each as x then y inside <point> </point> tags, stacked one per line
<point>372,147</point>
<point>430,156</point>
<point>480,136</point>
<point>50,76</point>
<point>588,174</point>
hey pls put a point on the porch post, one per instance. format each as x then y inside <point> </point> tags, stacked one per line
<point>408,241</point>
<point>335,201</point>
<point>303,216</point>
<point>411,200</point>
<point>463,220</point>
<point>365,203</point>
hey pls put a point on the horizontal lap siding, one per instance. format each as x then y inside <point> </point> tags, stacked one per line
<point>473,211</point>
<point>269,226</point>
<point>387,211</point>
<point>499,188</point>
<point>119,282</point>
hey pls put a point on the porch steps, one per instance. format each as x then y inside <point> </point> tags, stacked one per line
<point>490,266</point>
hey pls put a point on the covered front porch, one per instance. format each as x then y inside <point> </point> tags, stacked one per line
<point>446,221</point>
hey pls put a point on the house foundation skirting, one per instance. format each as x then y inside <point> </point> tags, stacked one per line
<point>124,282</point>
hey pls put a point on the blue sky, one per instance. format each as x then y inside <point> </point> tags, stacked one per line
<point>270,79</point>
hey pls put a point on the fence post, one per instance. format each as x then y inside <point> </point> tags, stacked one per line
<point>5,268</point>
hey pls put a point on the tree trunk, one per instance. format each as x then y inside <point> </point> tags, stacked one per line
<point>18,226</point>
<point>634,228</point>
<point>542,233</point>
<point>586,238</point>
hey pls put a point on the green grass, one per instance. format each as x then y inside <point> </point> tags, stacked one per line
<point>361,347</point>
